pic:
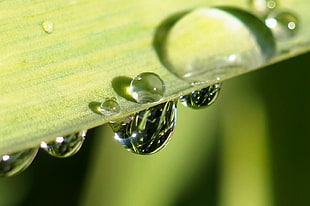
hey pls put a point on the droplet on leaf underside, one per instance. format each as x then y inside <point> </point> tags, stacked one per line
<point>15,163</point>
<point>147,131</point>
<point>65,146</point>
<point>201,98</point>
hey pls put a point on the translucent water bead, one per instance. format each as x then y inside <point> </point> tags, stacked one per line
<point>207,43</point>
<point>147,87</point>
<point>15,163</point>
<point>148,131</point>
<point>283,24</point>
<point>109,107</point>
<point>65,146</point>
<point>263,7</point>
<point>201,98</point>
<point>48,26</point>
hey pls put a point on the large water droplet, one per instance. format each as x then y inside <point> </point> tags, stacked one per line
<point>283,24</point>
<point>148,131</point>
<point>12,164</point>
<point>65,146</point>
<point>48,26</point>
<point>147,87</point>
<point>207,43</point>
<point>201,98</point>
<point>109,107</point>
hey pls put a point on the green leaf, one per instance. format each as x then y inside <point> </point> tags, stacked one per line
<point>49,79</point>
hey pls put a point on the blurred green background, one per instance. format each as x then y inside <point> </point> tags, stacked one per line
<point>250,148</point>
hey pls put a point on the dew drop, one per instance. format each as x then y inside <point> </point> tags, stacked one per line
<point>109,107</point>
<point>65,146</point>
<point>283,24</point>
<point>201,98</point>
<point>147,87</point>
<point>48,26</point>
<point>263,7</point>
<point>15,163</point>
<point>207,43</point>
<point>147,131</point>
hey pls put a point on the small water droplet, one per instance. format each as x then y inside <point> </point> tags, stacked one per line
<point>48,26</point>
<point>65,146</point>
<point>263,7</point>
<point>13,164</point>
<point>201,98</point>
<point>147,87</point>
<point>283,24</point>
<point>147,131</point>
<point>109,107</point>
<point>207,43</point>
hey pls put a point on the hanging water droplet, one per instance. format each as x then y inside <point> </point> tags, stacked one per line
<point>147,87</point>
<point>207,43</point>
<point>109,107</point>
<point>283,24</point>
<point>13,164</point>
<point>148,131</point>
<point>65,146</point>
<point>48,26</point>
<point>263,7</point>
<point>201,98</point>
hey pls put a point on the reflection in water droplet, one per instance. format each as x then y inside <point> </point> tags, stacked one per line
<point>207,43</point>
<point>147,87</point>
<point>148,131</point>
<point>201,98</point>
<point>263,7</point>
<point>48,27</point>
<point>12,164</point>
<point>109,107</point>
<point>283,24</point>
<point>65,146</point>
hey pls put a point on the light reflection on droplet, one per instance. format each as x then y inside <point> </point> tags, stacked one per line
<point>5,157</point>
<point>263,7</point>
<point>271,22</point>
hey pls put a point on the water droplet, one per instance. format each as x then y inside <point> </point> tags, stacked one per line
<point>148,131</point>
<point>263,7</point>
<point>65,146</point>
<point>13,164</point>
<point>48,26</point>
<point>109,107</point>
<point>147,87</point>
<point>201,98</point>
<point>283,24</point>
<point>208,43</point>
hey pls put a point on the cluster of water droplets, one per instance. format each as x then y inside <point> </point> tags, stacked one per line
<point>283,23</point>
<point>147,131</point>
<point>197,59</point>
<point>61,147</point>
